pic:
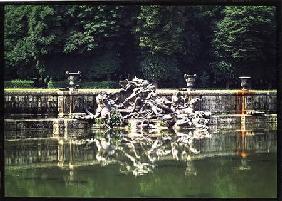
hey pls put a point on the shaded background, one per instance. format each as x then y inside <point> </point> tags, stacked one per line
<point>159,43</point>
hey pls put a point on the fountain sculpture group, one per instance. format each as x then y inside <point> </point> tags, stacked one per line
<point>138,106</point>
<point>138,103</point>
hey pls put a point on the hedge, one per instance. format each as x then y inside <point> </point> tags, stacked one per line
<point>57,84</point>
<point>61,84</point>
<point>19,84</point>
<point>86,85</point>
<point>100,85</point>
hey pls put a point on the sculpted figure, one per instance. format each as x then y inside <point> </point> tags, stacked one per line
<point>177,101</point>
<point>138,99</point>
<point>103,110</point>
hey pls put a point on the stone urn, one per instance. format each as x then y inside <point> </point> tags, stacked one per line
<point>73,78</point>
<point>245,82</point>
<point>190,80</point>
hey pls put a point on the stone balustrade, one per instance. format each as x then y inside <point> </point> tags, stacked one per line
<point>60,103</point>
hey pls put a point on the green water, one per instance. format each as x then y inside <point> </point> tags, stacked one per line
<point>213,177</point>
<point>42,168</point>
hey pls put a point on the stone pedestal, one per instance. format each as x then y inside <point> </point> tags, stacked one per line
<point>63,104</point>
<point>68,98</point>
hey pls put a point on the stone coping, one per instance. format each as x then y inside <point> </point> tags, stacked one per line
<point>196,92</point>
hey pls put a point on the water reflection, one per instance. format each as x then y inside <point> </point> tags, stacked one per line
<point>136,154</point>
<point>190,167</point>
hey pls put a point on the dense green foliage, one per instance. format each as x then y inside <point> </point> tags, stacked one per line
<point>19,84</point>
<point>159,43</point>
<point>245,43</point>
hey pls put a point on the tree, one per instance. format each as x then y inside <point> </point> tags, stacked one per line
<point>160,29</point>
<point>105,66</point>
<point>244,43</point>
<point>26,39</point>
<point>98,31</point>
<point>183,33</point>
<point>161,37</point>
<point>160,69</point>
<point>111,41</point>
<point>95,27</point>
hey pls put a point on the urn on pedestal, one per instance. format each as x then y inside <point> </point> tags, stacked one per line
<point>190,81</point>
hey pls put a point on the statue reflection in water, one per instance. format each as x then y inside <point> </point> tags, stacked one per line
<point>136,155</point>
<point>190,169</point>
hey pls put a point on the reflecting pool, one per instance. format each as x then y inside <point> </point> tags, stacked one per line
<point>228,162</point>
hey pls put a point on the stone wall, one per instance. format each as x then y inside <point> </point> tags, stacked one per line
<point>30,105</point>
<point>232,104</point>
<point>49,104</point>
<point>231,101</point>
